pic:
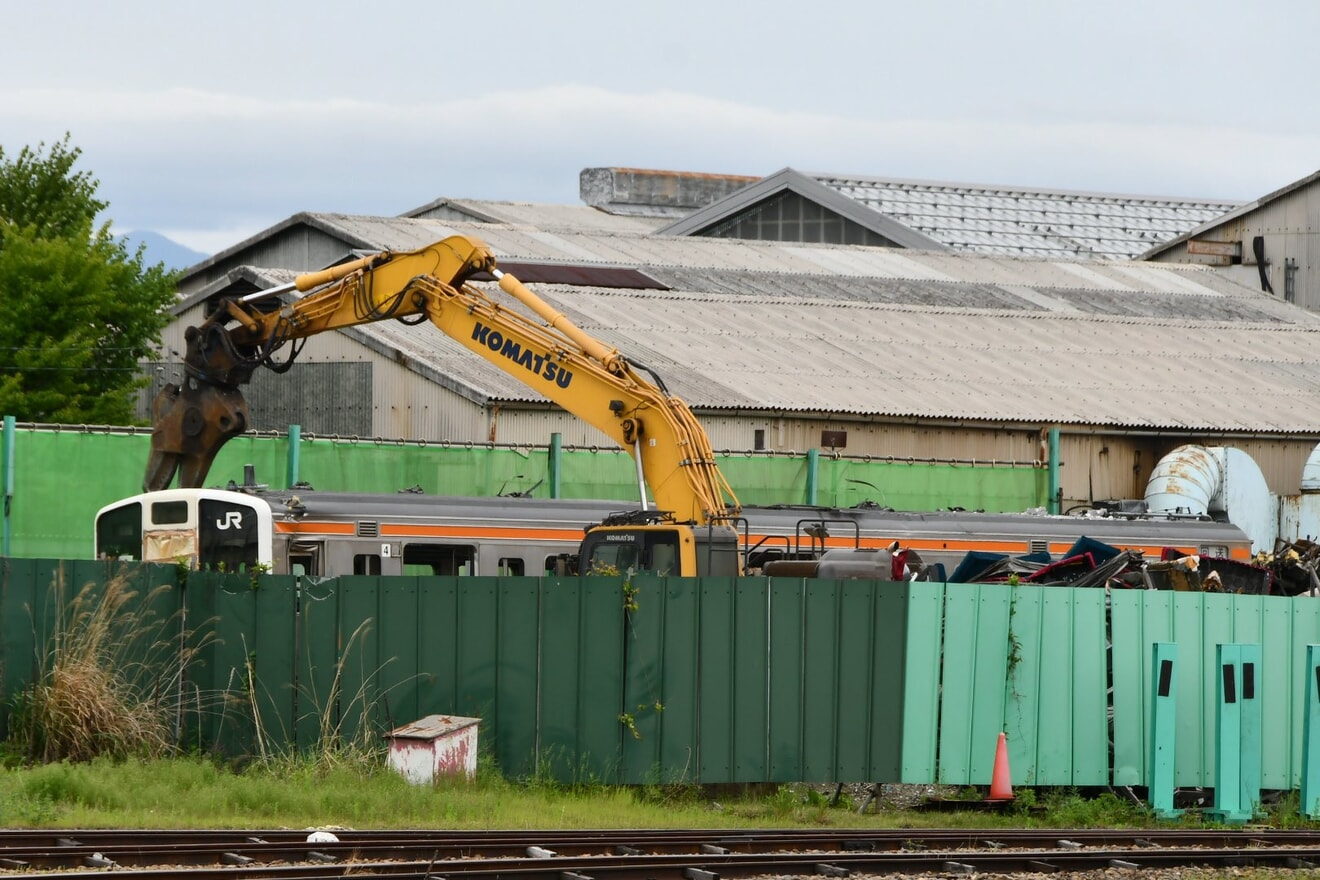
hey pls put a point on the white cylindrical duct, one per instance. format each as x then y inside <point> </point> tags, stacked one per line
<point>1311,473</point>
<point>1189,480</point>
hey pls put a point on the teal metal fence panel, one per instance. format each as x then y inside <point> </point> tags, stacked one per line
<point>923,648</point>
<point>1055,700</point>
<point>725,680</point>
<point>1198,623</point>
<point>976,650</point>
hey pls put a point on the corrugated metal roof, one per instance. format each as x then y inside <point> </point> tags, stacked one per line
<point>868,331</point>
<point>1027,221</point>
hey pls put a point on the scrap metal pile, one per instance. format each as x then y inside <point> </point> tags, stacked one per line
<point>1289,571</point>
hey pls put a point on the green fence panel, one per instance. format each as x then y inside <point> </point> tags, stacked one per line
<point>884,682</point>
<point>355,692</point>
<point>1056,699</point>
<point>477,676</point>
<point>278,641</point>
<point>680,685</point>
<point>438,627</point>
<point>736,657</point>
<point>564,748</point>
<point>399,666</point>
<point>601,671</point>
<point>1132,633</point>
<point>717,647</point>
<point>1304,620</point>
<point>787,629</point>
<point>269,457</point>
<point>923,626</point>
<point>972,688</point>
<point>518,631</point>
<point>316,662</point>
<point>817,698</point>
<point>1198,623</point>
<point>19,630</point>
<point>643,685</point>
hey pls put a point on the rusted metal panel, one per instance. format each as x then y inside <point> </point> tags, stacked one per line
<point>433,747</point>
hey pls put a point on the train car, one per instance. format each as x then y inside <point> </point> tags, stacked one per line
<point>303,531</point>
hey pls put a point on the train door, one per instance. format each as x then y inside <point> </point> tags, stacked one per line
<point>305,558</point>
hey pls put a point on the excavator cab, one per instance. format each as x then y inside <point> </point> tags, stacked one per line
<point>660,548</point>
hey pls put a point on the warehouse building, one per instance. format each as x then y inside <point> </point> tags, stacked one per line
<point>1270,244</point>
<point>934,353</point>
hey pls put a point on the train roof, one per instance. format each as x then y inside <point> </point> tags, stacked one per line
<point>871,521</point>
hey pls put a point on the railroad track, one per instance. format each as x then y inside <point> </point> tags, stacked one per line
<point>640,854</point>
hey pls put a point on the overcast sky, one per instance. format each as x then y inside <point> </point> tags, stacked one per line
<point>208,122</point>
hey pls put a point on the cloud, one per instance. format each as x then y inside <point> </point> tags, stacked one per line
<point>209,168</point>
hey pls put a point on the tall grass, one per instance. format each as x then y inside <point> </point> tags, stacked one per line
<point>109,677</point>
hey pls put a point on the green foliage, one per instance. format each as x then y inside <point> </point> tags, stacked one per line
<point>77,310</point>
<point>42,193</point>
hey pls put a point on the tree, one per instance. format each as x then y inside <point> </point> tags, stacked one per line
<point>77,310</point>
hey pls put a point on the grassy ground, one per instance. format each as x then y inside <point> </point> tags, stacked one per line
<point>364,794</point>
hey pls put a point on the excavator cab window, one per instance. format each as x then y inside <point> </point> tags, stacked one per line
<point>653,551</point>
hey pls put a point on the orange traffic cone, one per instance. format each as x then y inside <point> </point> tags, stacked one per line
<point>1001,788</point>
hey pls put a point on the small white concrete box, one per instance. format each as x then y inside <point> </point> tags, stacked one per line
<point>435,746</point>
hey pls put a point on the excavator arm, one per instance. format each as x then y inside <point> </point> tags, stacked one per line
<point>556,358</point>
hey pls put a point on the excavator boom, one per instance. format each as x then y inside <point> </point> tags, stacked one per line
<point>584,376</point>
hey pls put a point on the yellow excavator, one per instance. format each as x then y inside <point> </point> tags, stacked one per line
<point>691,530</point>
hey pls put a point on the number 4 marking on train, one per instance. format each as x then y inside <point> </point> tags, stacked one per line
<point>233,520</point>
<point>385,550</point>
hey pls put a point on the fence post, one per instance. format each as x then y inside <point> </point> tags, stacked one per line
<point>9,482</point>
<point>1310,800</point>
<point>295,455</point>
<point>1163,729</point>
<point>1237,724</point>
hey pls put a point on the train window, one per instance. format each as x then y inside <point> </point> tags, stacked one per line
<point>168,513</point>
<point>511,565</point>
<point>442,559</point>
<point>366,563</point>
<point>559,565</point>
<point>119,533</point>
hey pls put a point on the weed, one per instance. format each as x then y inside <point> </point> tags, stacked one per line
<point>109,677</point>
